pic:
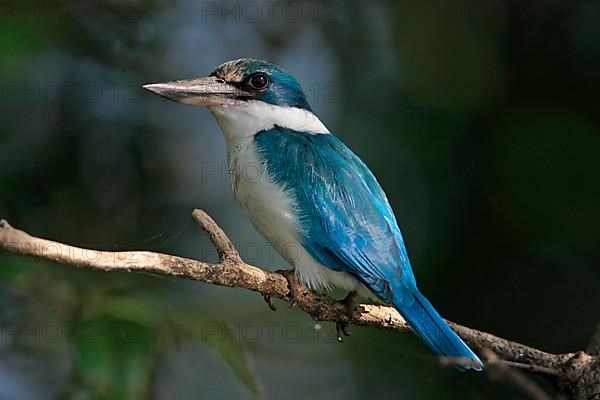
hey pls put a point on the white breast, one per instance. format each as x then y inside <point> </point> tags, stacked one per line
<point>271,208</point>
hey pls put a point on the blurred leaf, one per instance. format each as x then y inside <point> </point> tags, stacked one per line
<point>172,323</point>
<point>114,357</point>
<point>126,309</point>
<point>221,336</point>
<point>17,41</point>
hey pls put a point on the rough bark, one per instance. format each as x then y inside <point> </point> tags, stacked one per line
<point>576,375</point>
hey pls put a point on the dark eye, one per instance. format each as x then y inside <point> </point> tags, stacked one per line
<point>259,81</point>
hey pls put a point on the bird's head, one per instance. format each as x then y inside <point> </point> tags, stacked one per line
<point>246,96</point>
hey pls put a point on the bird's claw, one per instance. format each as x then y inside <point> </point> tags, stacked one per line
<point>290,276</point>
<point>269,299</point>
<point>341,327</point>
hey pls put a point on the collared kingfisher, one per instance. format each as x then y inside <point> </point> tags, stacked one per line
<point>314,200</point>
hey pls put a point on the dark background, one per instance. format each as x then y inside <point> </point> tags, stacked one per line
<point>480,120</point>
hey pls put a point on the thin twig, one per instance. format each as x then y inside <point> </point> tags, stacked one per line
<point>225,248</point>
<point>501,370</point>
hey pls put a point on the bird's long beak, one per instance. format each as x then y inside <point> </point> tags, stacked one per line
<point>199,92</point>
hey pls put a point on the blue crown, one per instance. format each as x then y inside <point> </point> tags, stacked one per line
<point>282,88</point>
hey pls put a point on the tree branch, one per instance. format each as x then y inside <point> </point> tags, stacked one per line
<point>576,374</point>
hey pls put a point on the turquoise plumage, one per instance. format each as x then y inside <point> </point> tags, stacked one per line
<point>312,192</point>
<point>348,225</point>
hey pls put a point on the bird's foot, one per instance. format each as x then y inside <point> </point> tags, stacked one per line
<point>341,327</point>
<point>269,299</point>
<point>293,284</point>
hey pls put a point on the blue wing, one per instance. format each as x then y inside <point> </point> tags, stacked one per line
<point>347,222</point>
<point>348,225</point>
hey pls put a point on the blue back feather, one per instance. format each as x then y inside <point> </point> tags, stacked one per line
<point>346,220</point>
<point>347,224</point>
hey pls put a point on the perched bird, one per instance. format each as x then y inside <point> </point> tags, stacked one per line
<point>314,200</point>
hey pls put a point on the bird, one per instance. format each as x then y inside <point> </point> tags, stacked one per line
<point>313,199</point>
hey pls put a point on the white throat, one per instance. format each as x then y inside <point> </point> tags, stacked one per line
<point>245,119</point>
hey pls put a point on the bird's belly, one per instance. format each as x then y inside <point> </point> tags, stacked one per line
<point>269,207</point>
<point>272,210</point>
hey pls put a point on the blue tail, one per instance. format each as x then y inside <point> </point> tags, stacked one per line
<point>428,324</point>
